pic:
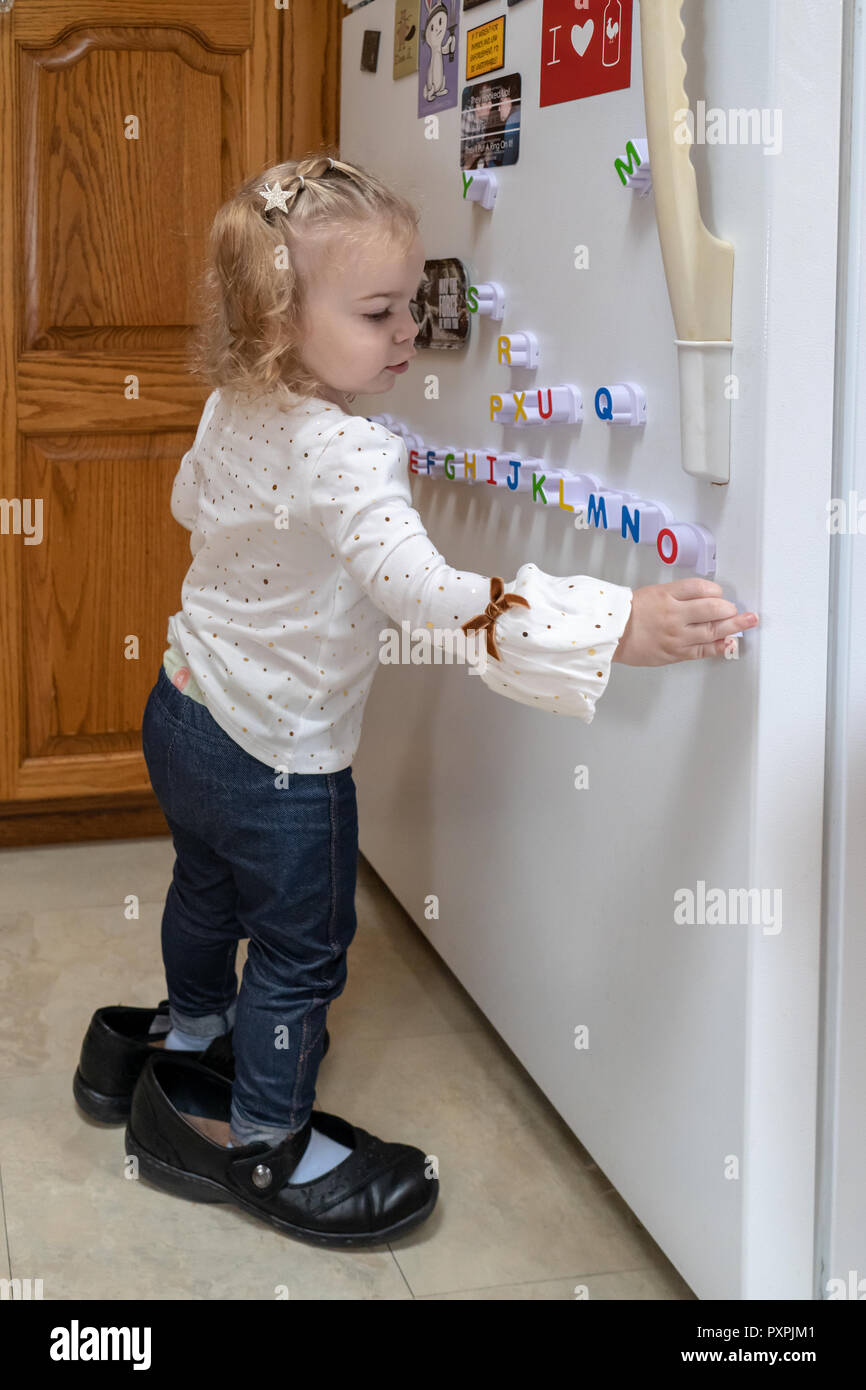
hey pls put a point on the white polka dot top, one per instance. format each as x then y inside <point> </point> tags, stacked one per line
<point>305,544</point>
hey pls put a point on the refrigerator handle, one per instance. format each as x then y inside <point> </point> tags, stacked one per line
<point>699,268</point>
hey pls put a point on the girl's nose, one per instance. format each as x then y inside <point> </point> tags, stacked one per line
<point>408,329</point>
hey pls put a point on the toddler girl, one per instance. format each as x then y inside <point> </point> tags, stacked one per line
<point>302,535</point>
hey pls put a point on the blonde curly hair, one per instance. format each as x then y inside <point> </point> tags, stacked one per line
<point>251,293</point>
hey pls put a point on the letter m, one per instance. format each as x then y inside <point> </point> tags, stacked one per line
<point>633,162</point>
<point>596,509</point>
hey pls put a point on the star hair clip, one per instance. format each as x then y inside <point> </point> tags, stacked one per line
<point>276,197</point>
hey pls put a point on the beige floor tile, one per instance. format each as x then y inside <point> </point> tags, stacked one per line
<point>40,878</point>
<point>57,966</point>
<point>523,1210</point>
<point>88,1232</point>
<point>5,1272</point>
<point>644,1284</point>
<point>517,1202</point>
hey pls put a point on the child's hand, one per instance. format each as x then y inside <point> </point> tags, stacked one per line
<point>680,621</point>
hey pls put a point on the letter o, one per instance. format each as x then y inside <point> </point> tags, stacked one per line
<point>667,559</point>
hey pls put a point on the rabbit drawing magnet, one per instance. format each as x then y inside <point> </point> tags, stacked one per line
<point>438,64</point>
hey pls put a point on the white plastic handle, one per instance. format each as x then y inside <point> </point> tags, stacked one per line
<point>699,267</point>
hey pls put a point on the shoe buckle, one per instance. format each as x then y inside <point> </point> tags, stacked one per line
<point>262,1176</point>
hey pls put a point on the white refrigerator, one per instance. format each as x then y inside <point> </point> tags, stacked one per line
<point>661,913</point>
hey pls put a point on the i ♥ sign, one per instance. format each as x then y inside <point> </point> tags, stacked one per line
<point>585,49</point>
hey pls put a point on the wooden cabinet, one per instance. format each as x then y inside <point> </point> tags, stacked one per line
<point>123,126</point>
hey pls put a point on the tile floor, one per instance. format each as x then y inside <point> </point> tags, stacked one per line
<point>523,1212</point>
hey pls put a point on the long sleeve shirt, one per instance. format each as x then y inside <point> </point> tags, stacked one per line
<point>303,539</point>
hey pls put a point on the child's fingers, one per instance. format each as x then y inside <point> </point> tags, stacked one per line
<point>694,633</point>
<point>741,622</point>
<point>708,610</point>
<point>693,588</point>
<point>715,635</point>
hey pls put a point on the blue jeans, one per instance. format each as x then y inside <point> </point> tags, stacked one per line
<point>276,864</point>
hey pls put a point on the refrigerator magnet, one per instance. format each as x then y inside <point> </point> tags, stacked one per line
<point>585,50</point>
<point>405,38</point>
<point>370,50</point>
<point>490,123</point>
<point>485,48</point>
<point>439,307</point>
<point>438,66</point>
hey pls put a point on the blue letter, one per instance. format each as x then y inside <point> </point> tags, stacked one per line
<point>603,391</point>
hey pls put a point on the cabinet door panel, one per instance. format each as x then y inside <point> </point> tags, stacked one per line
<point>122,129</point>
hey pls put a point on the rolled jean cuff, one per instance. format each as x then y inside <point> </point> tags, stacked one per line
<point>206,1025</point>
<point>250,1131</point>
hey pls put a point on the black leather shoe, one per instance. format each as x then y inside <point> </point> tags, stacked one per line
<point>116,1046</point>
<point>379,1192</point>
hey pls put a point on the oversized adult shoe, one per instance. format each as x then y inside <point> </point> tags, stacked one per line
<point>178,1130</point>
<point>116,1046</point>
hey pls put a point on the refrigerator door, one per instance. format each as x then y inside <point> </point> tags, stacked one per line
<point>562,892</point>
<point>841,1266</point>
